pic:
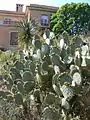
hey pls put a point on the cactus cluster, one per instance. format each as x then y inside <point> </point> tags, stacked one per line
<point>50,73</point>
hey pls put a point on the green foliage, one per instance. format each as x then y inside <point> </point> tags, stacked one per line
<point>72,18</point>
<point>27,31</point>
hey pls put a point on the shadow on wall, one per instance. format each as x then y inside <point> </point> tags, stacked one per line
<point>3,49</point>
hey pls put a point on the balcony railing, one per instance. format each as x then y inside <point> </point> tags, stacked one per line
<point>9,23</point>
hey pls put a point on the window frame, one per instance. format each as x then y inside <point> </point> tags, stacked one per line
<point>10,37</point>
<point>48,20</point>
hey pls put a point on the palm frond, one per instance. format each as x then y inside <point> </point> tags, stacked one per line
<point>27,29</point>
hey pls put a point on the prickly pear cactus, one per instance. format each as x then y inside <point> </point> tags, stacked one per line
<point>19,65</point>
<point>28,76</point>
<point>45,49</point>
<point>37,44</point>
<point>45,66</point>
<point>28,86</point>
<point>49,81</point>
<point>67,92</point>
<point>50,114</point>
<point>50,99</point>
<point>18,99</point>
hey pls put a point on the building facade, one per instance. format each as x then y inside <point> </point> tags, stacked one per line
<point>8,29</point>
<point>8,20</point>
<point>40,13</point>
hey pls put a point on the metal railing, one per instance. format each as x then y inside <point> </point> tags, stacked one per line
<point>10,23</point>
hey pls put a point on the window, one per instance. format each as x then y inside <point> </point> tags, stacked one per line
<point>7,21</point>
<point>44,20</point>
<point>13,38</point>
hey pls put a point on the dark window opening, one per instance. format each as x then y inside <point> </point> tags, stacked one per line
<point>44,20</point>
<point>14,38</point>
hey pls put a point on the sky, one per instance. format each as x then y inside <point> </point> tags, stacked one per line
<point>11,4</point>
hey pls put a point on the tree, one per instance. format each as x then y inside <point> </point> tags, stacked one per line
<point>27,30</point>
<point>72,18</point>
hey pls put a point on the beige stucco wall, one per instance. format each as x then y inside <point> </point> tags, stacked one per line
<point>5,37</point>
<point>15,16</point>
<point>35,11</point>
<point>6,29</point>
<point>37,14</point>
